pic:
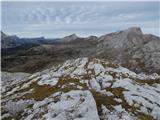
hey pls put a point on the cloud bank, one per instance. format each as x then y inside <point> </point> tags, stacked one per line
<point>58,19</point>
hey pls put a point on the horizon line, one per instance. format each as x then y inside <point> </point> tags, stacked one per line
<point>40,36</point>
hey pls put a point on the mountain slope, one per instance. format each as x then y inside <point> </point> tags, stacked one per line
<point>83,89</point>
<point>9,41</point>
<point>130,48</point>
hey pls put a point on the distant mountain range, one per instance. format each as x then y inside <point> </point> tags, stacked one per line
<point>11,41</point>
<point>130,48</point>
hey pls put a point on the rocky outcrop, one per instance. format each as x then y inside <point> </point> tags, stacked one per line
<point>122,39</point>
<point>83,89</point>
<point>132,49</point>
<point>9,41</point>
<point>69,38</point>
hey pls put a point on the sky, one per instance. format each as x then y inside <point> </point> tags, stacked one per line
<point>53,19</point>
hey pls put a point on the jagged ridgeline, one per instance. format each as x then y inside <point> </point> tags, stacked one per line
<point>81,89</point>
<point>130,48</point>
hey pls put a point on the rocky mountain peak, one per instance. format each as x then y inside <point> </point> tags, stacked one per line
<point>122,39</point>
<point>92,37</point>
<point>134,30</point>
<point>69,38</point>
<point>122,34</point>
<point>3,34</point>
<point>73,35</point>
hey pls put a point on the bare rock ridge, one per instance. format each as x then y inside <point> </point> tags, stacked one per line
<point>82,89</point>
<point>9,41</point>
<point>70,38</point>
<point>130,48</point>
<point>122,39</point>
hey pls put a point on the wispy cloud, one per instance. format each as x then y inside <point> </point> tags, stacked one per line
<point>62,18</point>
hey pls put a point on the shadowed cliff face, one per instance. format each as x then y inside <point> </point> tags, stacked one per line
<point>8,41</point>
<point>130,48</point>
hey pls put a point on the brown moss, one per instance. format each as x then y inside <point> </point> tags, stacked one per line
<point>40,91</point>
<point>67,80</point>
<point>142,116</point>
<point>150,82</point>
<point>113,74</point>
<point>100,99</point>
<point>112,65</point>
<point>118,92</point>
<point>87,77</point>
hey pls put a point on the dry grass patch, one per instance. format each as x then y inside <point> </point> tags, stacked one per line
<point>100,99</point>
<point>149,82</point>
<point>40,91</point>
<point>142,116</point>
<point>68,80</point>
